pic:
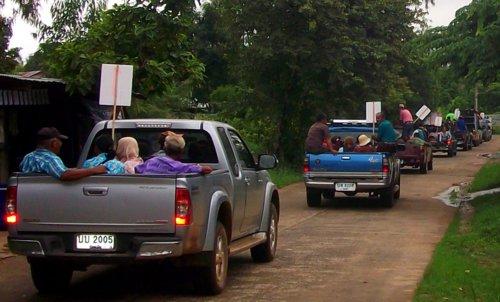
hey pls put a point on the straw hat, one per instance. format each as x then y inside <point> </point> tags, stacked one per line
<point>364,140</point>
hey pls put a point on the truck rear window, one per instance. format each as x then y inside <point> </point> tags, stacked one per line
<point>199,145</point>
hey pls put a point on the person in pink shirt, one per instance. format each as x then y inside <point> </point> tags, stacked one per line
<point>406,120</point>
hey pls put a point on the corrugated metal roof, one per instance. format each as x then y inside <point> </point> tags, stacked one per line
<point>40,80</point>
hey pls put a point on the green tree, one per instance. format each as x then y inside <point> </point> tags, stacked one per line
<point>464,56</point>
<point>298,57</point>
<point>9,58</point>
<point>156,42</point>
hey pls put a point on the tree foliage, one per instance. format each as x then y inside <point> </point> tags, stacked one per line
<point>464,56</point>
<point>156,43</point>
<point>297,57</point>
<point>9,58</point>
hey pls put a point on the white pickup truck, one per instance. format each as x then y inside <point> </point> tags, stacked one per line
<point>198,220</point>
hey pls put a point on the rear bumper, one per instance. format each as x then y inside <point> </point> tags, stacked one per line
<point>361,185</point>
<point>129,248</point>
<point>442,148</point>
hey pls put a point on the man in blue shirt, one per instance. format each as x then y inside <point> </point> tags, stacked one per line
<point>461,126</point>
<point>45,158</point>
<point>386,132</point>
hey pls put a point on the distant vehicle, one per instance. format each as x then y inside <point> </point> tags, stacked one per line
<point>350,173</point>
<point>448,146</point>
<point>194,219</point>
<point>486,127</point>
<point>416,156</point>
<point>472,122</point>
<point>464,140</point>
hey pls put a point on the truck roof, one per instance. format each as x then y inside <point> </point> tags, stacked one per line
<point>162,123</point>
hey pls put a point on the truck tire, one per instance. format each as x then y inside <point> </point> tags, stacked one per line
<point>211,279</point>
<point>387,197</point>
<point>266,251</point>
<point>423,167</point>
<point>313,197</point>
<point>450,153</point>
<point>329,194</point>
<point>430,165</point>
<point>397,194</point>
<point>50,277</point>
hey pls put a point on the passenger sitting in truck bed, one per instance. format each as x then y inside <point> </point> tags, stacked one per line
<point>420,132</point>
<point>348,144</point>
<point>170,164</point>
<point>127,152</point>
<point>103,147</point>
<point>319,133</point>
<point>364,144</point>
<point>45,158</point>
<point>336,142</point>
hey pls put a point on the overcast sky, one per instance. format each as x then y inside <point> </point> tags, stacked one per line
<point>440,14</point>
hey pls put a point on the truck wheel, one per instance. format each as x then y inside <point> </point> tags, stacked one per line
<point>450,153</point>
<point>313,197</point>
<point>49,276</point>
<point>398,192</point>
<point>423,168</point>
<point>211,280</point>
<point>387,197</point>
<point>329,194</point>
<point>266,251</point>
<point>430,165</point>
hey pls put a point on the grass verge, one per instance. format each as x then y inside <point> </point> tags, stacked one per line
<point>488,177</point>
<point>466,263</point>
<point>283,176</point>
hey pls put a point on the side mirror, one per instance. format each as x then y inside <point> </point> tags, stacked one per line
<point>267,161</point>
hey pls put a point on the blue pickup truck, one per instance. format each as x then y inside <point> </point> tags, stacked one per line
<point>376,173</point>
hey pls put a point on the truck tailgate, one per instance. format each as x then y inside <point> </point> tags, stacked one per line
<point>97,204</point>
<point>346,162</point>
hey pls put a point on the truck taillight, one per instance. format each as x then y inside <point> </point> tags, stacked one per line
<point>385,166</point>
<point>183,210</point>
<point>306,165</point>
<point>11,205</point>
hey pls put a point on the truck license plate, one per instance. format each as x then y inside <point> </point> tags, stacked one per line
<point>97,242</point>
<point>345,187</point>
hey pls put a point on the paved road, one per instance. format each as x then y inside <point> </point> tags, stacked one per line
<point>350,250</point>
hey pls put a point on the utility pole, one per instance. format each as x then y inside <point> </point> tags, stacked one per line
<point>476,94</point>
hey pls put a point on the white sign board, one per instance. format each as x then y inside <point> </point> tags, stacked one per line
<point>423,112</point>
<point>116,85</point>
<point>438,121</point>
<point>457,113</point>
<point>372,108</point>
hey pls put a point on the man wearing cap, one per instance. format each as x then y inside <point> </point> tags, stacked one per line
<point>45,158</point>
<point>171,164</point>
<point>406,120</point>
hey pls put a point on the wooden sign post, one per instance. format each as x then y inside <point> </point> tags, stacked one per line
<point>116,88</point>
<point>372,108</point>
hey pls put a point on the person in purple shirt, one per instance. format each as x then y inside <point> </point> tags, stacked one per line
<point>170,164</point>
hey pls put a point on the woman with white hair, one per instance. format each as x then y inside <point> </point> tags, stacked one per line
<point>127,152</point>
<point>171,164</point>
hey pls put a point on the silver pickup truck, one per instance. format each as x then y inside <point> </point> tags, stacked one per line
<point>194,220</point>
